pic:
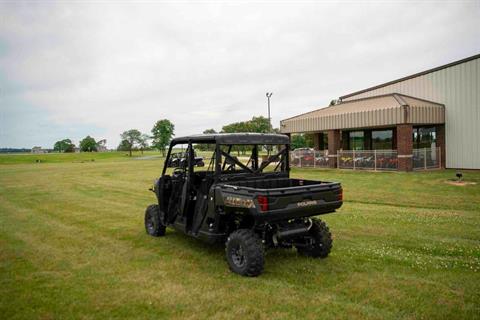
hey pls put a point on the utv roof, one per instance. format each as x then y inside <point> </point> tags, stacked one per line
<point>235,138</point>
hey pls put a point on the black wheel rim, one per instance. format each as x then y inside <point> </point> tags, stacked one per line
<point>150,224</point>
<point>238,256</point>
<point>312,242</point>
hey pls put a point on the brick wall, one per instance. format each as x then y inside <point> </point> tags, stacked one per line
<point>333,146</point>
<point>405,147</point>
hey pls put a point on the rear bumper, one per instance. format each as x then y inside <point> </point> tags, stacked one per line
<point>294,212</point>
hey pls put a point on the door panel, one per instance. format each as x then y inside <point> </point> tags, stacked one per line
<point>201,205</point>
<point>175,201</point>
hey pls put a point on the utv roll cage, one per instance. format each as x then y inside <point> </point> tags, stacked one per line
<point>229,140</point>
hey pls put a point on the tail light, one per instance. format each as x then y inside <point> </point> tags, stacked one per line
<point>263,202</point>
<point>340,195</point>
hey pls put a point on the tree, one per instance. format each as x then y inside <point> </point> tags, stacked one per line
<point>256,124</point>
<point>207,147</point>
<point>297,141</point>
<point>302,141</point>
<point>237,127</point>
<point>259,124</point>
<point>162,133</point>
<point>309,140</point>
<point>143,142</point>
<point>88,144</point>
<point>124,146</point>
<point>132,137</point>
<point>64,145</point>
<point>209,131</point>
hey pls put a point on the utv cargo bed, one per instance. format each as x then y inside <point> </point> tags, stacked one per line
<point>285,198</point>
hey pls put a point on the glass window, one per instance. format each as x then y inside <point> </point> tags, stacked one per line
<point>382,140</point>
<point>356,141</point>
<point>325,141</point>
<point>424,137</point>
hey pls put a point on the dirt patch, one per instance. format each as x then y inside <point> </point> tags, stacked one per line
<point>460,183</point>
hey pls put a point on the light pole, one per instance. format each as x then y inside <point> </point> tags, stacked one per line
<point>269,94</point>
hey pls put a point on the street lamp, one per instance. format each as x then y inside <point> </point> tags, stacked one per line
<point>269,94</point>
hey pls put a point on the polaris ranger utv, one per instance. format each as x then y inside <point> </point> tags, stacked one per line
<point>249,203</point>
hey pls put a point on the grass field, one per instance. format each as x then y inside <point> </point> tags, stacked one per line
<point>73,245</point>
<point>17,158</point>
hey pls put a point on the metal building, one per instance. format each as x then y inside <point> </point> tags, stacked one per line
<point>443,103</point>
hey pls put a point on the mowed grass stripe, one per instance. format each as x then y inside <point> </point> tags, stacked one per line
<point>60,253</point>
<point>72,239</point>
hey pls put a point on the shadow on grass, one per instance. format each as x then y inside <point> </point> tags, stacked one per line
<point>278,261</point>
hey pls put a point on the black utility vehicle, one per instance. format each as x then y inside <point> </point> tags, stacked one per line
<point>247,201</point>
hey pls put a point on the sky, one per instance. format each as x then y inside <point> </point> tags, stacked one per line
<point>72,69</point>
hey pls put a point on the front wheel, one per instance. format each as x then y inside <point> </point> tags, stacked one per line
<point>153,221</point>
<point>319,241</point>
<point>245,253</point>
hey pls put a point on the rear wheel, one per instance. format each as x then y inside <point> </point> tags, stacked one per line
<point>245,253</point>
<point>153,221</point>
<point>319,241</point>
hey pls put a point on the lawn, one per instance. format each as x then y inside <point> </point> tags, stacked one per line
<point>17,158</point>
<point>73,245</point>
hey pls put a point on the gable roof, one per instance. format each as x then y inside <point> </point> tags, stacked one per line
<point>382,110</point>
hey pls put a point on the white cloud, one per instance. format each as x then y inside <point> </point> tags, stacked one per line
<point>203,65</point>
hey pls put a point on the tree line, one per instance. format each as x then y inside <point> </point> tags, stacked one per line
<point>256,124</point>
<point>161,134</point>
<point>163,131</point>
<point>303,140</point>
<point>87,144</point>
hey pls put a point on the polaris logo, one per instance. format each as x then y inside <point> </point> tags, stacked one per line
<point>307,203</point>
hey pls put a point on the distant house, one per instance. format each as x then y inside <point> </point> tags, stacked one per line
<point>39,150</point>
<point>102,145</point>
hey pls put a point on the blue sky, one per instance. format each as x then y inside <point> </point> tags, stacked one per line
<point>71,69</point>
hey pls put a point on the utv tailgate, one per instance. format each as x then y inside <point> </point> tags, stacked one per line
<point>305,198</point>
